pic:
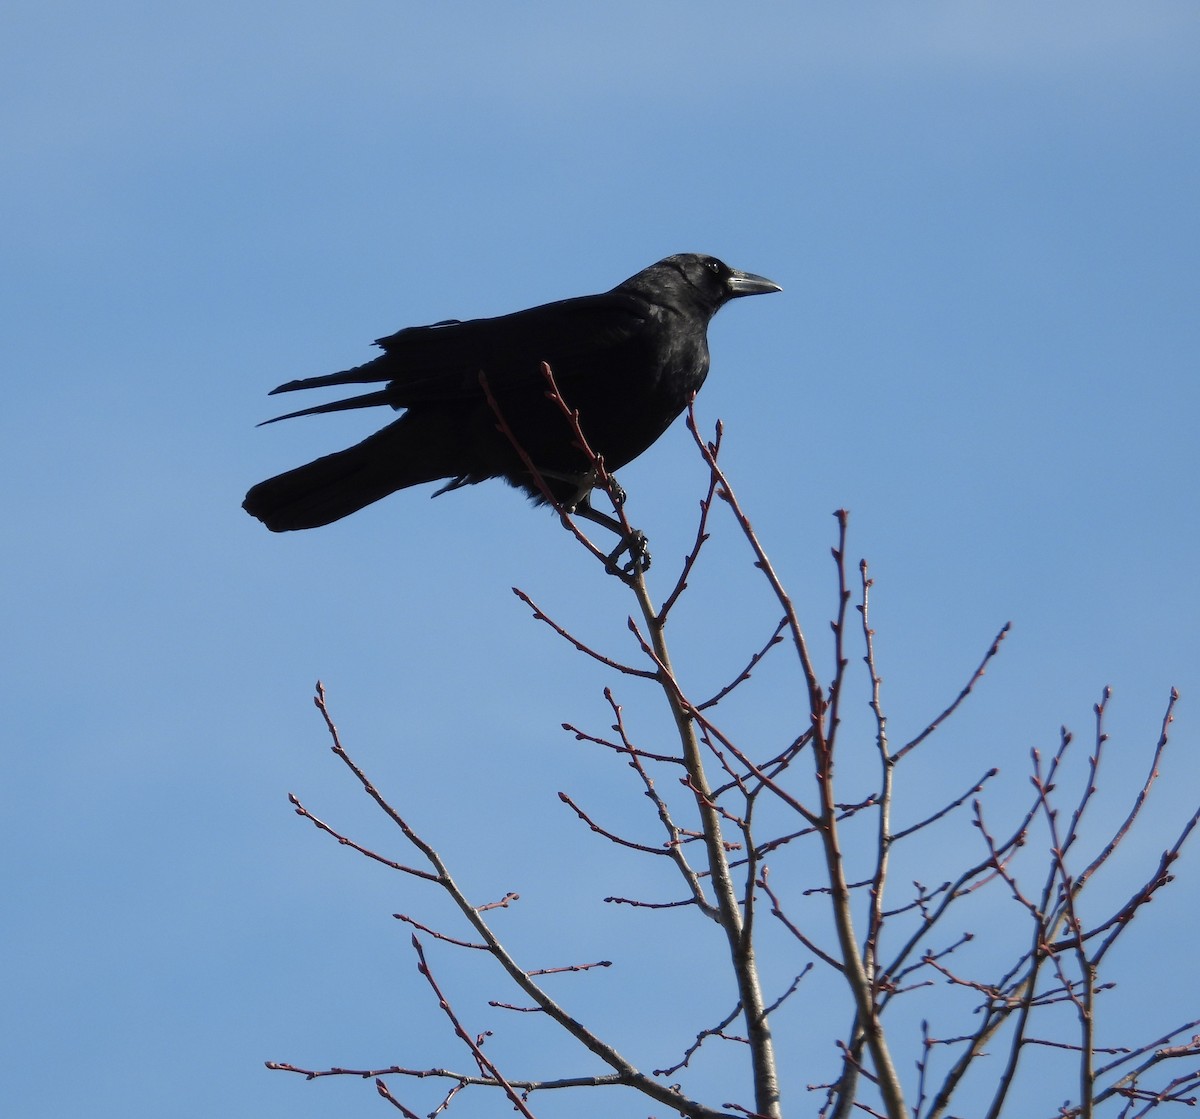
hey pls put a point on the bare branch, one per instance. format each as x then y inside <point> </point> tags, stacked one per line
<point>608,834</point>
<point>541,616</point>
<point>701,538</point>
<point>519,976</point>
<point>718,836</point>
<point>346,842</point>
<point>978,674</point>
<point>741,678</point>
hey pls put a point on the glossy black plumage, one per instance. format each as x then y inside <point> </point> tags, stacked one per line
<point>628,360</point>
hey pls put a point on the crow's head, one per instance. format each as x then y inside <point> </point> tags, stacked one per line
<point>697,281</point>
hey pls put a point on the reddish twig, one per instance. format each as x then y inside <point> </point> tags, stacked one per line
<point>611,836</point>
<point>541,616</point>
<point>486,1067</point>
<point>439,935</point>
<point>741,678</point>
<point>976,676</point>
<point>347,842</point>
<point>690,559</point>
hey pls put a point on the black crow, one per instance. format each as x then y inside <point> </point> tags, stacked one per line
<point>628,361</point>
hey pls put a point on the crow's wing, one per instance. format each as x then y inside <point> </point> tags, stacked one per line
<point>580,338</point>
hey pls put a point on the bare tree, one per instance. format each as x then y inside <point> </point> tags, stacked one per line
<point>767,846</point>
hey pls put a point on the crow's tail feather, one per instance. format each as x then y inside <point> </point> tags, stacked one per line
<point>366,400</point>
<point>402,454</point>
<point>378,369</point>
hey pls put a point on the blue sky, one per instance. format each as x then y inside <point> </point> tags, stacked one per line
<point>984,220</point>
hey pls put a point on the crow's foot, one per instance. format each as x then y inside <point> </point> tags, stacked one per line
<point>638,548</point>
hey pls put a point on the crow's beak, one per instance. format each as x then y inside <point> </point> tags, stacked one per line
<point>746,283</point>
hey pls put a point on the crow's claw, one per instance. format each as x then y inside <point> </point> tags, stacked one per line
<point>637,546</point>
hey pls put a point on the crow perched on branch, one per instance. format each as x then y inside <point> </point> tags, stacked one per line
<point>628,361</point>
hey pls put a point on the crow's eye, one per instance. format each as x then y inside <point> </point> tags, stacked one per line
<point>713,265</point>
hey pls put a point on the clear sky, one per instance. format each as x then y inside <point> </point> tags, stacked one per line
<point>984,219</point>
